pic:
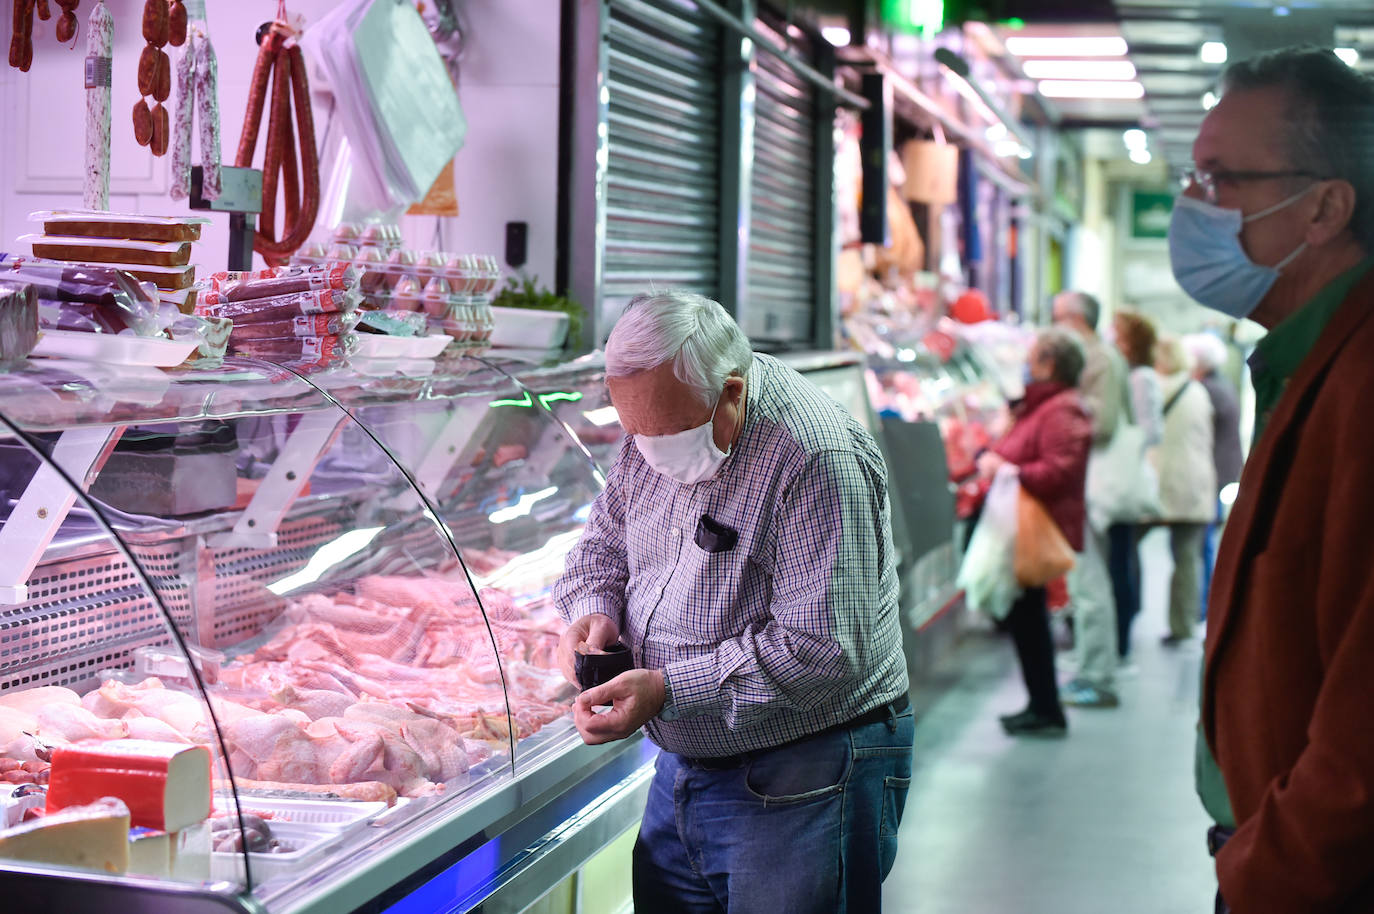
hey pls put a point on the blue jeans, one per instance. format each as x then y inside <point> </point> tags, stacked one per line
<point>1209,558</point>
<point>807,827</point>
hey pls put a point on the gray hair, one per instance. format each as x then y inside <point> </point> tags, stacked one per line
<point>1170,356</point>
<point>1065,353</point>
<point>1208,352</point>
<point>1330,122</point>
<point>1087,306</point>
<point>701,339</point>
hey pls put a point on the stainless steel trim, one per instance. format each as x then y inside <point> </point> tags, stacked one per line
<point>807,72</point>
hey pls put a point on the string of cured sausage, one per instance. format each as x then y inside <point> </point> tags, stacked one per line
<point>280,61</point>
<point>21,39</point>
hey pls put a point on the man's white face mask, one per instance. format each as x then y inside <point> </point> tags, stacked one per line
<point>689,457</point>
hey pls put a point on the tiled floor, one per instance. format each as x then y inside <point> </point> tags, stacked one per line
<point>1103,821</point>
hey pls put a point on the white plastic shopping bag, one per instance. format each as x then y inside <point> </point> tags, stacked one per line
<point>987,575</point>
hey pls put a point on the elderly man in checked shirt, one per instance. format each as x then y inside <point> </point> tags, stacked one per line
<point>742,551</point>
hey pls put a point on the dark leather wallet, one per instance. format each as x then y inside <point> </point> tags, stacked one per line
<point>594,669</point>
<point>714,536</point>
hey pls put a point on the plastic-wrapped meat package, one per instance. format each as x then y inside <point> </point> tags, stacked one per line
<point>276,281</point>
<point>210,333</point>
<point>18,320</point>
<point>311,352</point>
<point>280,307</point>
<point>87,297</point>
<point>304,325</point>
<point>394,323</point>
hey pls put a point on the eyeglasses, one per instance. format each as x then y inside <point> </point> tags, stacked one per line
<point>1209,181</point>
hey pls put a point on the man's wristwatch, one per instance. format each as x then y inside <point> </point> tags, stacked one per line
<point>668,713</point>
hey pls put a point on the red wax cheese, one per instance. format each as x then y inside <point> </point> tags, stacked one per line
<point>165,785</point>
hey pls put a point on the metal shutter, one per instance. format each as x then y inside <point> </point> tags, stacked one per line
<point>662,169</point>
<point>781,273</point>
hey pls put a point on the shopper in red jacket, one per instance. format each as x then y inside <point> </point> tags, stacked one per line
<point>1048,444</point>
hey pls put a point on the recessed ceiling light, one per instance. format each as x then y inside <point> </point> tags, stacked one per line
<point>1067,46</point>
<point>1079,69</point>
<point>1349,55</point>
<point>837,35</point>
<point>997,131</point>
<point>1281,11</point>
<point>1213,52</point>
<point>1083,88</point>
<point>1141,156</point>
<point>1008,147</point>
<point>1135,138</point>
<point>1209,101</point>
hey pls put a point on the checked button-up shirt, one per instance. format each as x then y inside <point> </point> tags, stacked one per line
<point>793,630</point>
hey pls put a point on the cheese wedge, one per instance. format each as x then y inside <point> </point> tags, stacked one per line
<point>165,785</point>
<point>94,837</point>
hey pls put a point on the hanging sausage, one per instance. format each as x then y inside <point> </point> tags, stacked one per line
<point>198,97</point>
<point>99,47</point>
<point>280,61</point>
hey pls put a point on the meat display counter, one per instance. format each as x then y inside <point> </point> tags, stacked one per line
<point>336,591</point>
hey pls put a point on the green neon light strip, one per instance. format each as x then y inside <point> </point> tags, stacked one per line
<point>544,399</point>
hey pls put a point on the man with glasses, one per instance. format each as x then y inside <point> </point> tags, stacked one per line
<point>1276,224</point>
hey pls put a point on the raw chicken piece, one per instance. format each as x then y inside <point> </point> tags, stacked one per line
<point>153,729</point>
<point>366,791</point>
<point>277,747</point>
<point>31,700</point>
<point>344,749</point>
<point>182,712</point>
<point>314,703</point>
<point>74,723</point>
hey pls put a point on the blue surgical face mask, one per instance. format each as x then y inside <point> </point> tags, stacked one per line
<point>1209,262</point>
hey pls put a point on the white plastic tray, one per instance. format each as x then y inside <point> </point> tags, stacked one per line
<point>297,842</point>
<point>337,815</point>
<point>379,346</point>
<point>526,328</point>
<point>115,349</point>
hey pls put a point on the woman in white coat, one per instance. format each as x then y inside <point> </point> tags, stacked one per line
<point>1187,479</point>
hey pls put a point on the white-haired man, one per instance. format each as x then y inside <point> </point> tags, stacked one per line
<point>1228,456</point>
<point>742,551</point>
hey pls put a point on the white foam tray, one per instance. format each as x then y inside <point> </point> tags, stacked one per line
<point>114,349</point>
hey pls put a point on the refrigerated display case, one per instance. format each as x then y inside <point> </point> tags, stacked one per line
<point>340,587</point>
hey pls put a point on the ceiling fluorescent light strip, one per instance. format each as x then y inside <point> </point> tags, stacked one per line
<point>1067,46</point>
<point>1082,88</point>
<point>1078,69</point>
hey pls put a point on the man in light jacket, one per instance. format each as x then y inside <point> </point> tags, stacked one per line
<point>1104,390</point>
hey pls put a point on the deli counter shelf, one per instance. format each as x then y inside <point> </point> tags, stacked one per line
<point>336,589</point>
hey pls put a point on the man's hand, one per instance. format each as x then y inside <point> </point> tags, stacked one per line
<point>595,630</point>
<point>634,697</point>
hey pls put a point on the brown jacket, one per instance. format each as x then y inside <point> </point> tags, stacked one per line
<point>1288,695</point>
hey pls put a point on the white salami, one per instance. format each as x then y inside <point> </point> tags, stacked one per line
<point>198,97</point>
<point>99,48</point>
<point>181,126</point>
<point>207,112</point>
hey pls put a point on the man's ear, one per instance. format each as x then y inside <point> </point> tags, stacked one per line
<point>734,385</point>
<point>1335,208</point>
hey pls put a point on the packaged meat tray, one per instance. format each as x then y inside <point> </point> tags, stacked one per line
<point>275,281</point>
<point>119,225</point>
<point>303,325</point>
<point>278,307</point>
<point>111,250</point>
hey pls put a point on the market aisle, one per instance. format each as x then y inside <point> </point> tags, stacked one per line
<point>1105,820</point>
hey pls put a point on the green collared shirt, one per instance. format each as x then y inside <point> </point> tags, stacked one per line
<point>1277,358</point>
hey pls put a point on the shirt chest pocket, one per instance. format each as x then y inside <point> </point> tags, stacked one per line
<point>714,595</point>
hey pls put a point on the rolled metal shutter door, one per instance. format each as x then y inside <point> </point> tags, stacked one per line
<point>781,274</point>
<point>663,155</point>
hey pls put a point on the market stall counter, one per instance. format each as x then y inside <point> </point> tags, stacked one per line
<point>285,643</point>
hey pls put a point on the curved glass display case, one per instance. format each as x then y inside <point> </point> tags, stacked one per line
<point>335,588</point>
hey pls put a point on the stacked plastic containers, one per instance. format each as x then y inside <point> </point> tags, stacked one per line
<point>403,288</point>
